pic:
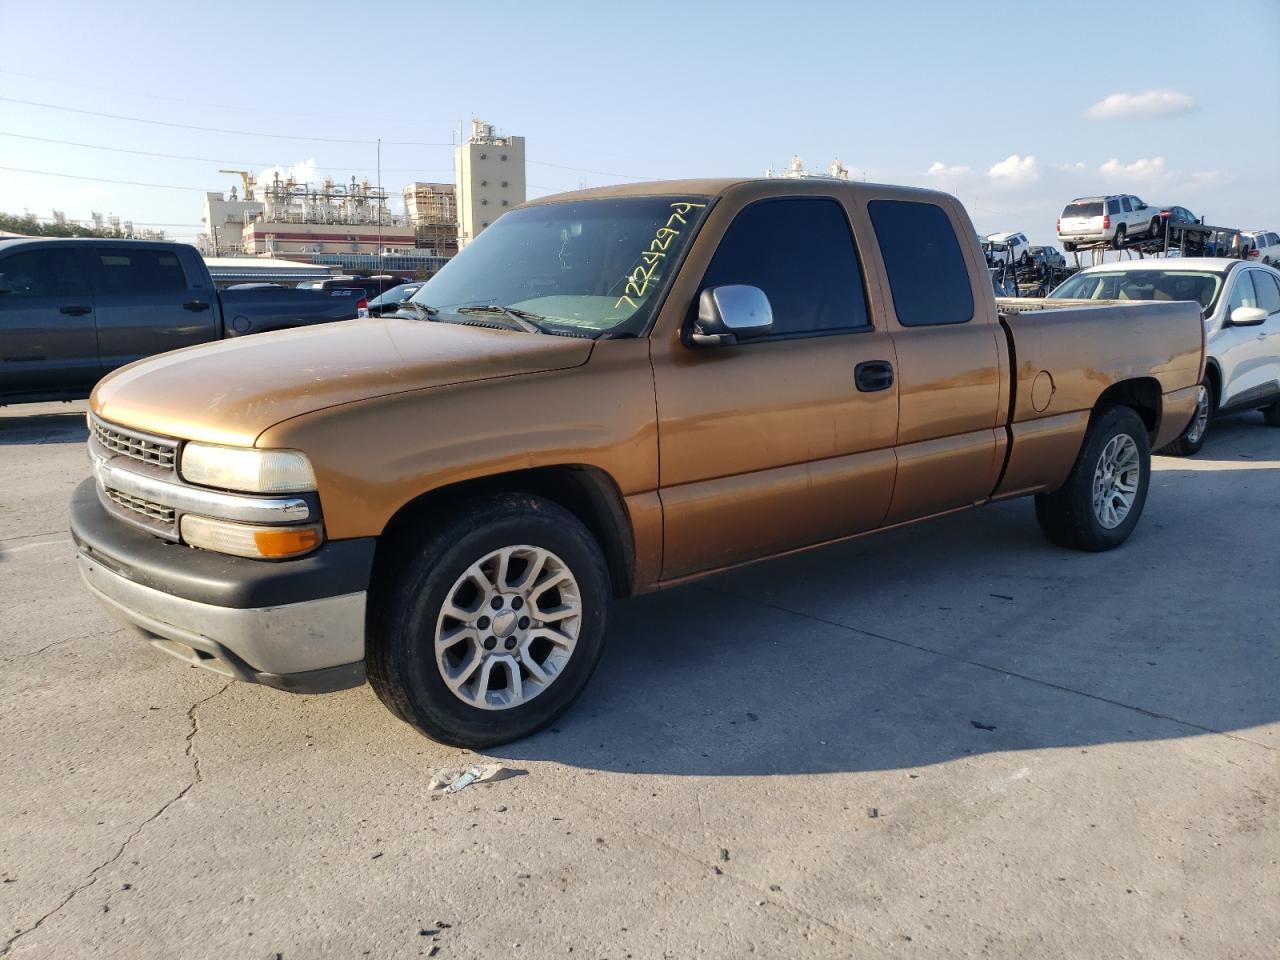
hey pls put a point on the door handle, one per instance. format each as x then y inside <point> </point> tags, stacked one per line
<point>195,306</point>
<point>75,309</point>
<point>873,375</point>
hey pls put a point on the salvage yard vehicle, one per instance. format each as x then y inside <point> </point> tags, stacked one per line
<point>1241,306</point>
<point>605,393</point>
<point>73,310</point>
<point>1008,249</point>
<point>1113,220</point>
<point>1264,246</point>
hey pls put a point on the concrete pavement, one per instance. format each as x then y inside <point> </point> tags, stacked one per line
<point>951,740</point>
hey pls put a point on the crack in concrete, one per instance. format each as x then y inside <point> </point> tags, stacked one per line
<point>48,646</point>
<point>994,669</point>
<point>92,878</point>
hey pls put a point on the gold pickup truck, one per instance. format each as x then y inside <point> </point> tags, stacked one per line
<point>607,392</point>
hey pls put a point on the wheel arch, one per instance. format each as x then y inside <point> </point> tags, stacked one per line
<point>1140,394</point>
<point>587,492</point>
<point>1214,374</point>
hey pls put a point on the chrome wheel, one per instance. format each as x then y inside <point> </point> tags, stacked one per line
<point>1200,422</point>
<point>1115,481</point>
<point>508,627</point>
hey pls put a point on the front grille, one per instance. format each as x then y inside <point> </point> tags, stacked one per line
<point>154,516</point>
<point>138,446</point>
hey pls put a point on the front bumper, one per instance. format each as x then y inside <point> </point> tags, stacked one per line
<point>295,625</point>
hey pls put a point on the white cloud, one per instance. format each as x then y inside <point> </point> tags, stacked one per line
<point>1140,170</point>
<point>940,169</point>
<point>1152,103</point>
<point>1015,169</point>
<point>304,171</point>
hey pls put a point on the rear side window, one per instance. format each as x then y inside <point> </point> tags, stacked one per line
<point>124,270</point>
<point>927,272</point>
<point>1268,293</point>
<point>51,272</point>
<point>801,254</point>
<point>1113,206</point>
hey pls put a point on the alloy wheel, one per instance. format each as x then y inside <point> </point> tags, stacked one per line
<point>1115,481</point>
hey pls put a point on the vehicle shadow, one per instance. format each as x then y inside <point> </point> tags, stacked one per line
<point>41,428</point>
<point>970,634</point>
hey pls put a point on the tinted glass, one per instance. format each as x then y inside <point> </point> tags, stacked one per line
<point>1113,206</point>
<point>1125,205</point>
<point>1268,293</point>
<point>927,272</point>
<point>1141,285</point>
<point>52,272</point>
<point>1242,294</point>
<point>801,254</point>
<point>122,270</point>
<point>1090,208</point>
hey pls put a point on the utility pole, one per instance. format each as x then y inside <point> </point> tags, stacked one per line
<point>379,207</point>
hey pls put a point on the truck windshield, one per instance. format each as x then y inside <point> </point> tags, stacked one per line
<point>1092,208</point>
<point>589,267</point>
<point>1142,285</point>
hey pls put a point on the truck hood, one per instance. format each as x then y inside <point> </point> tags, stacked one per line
<point>230,392</point>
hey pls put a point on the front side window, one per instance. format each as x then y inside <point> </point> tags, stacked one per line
<point>1264,285</point>
<point>1125,205</point>
<point>592,267</point>
<point>1242,294</point>
<point>51,272</point>
<point>927,273</point>
<point>801,253</point>
<point>139,270</point>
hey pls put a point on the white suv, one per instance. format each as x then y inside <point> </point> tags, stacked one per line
<point>1113,220</point>
<point>1241,304</point>
<point>1264,246</point>
<point>1007,248</point>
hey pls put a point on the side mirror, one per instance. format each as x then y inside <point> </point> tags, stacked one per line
<point>1247,316</point>
<point>731,313</point>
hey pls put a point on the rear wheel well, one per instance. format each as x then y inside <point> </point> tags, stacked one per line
<point>1142,395</point>
<point>587,492</point>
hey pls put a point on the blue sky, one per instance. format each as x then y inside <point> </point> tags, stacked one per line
<point>1011,114</point>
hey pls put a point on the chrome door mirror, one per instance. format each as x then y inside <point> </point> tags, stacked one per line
<point>1247,316</point>
<point>731,313</point>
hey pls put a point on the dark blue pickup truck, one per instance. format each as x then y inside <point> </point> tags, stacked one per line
<point>71,311</point>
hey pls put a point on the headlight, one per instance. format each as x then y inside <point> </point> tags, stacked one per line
<point>250,540</point>
<point>247,469</point>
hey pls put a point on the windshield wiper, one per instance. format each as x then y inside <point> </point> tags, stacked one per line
<point>421,309</point>
<point>521,319</point>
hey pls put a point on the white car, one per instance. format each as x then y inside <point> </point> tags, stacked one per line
<point>1241,303</point>
<point>1113,219</point>
<point>1265,246</point>
<point>1007,248</point>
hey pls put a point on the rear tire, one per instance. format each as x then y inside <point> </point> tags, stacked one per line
<point>1192,438</point>
<point>1099,505</point>
<point>1155,230</point>
<point>505,677</point>
<point>1069,247</point>
<point>1117,242</point>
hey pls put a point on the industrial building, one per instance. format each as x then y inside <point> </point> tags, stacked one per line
<point>432,210</point>
<point>489,172</point>
<point>224,219</point>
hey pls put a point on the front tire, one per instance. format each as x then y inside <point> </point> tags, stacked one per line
<point>490,627</point>
<point>1099,505</point>
<point>1192,438</point>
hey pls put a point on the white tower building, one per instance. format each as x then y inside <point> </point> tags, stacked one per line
<point>489,173</point>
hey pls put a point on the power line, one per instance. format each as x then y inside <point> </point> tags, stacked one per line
<point>241,163</point>
<point>197,103</point>
<point>189,126</point>
<point>127,183</point>
<point>603,173</point>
